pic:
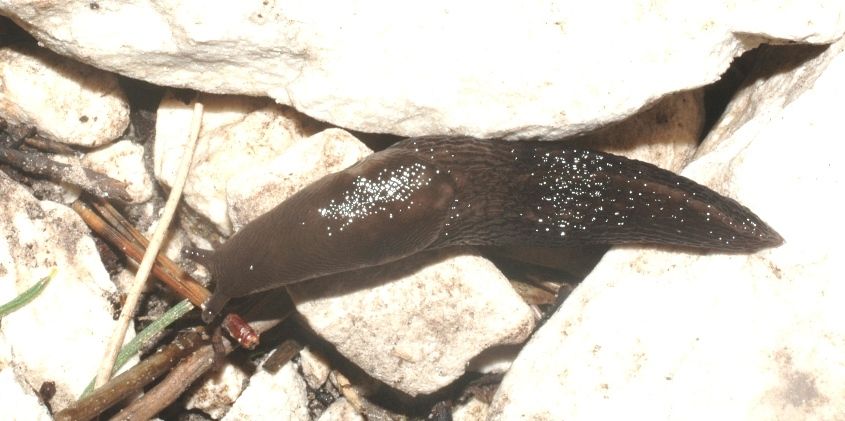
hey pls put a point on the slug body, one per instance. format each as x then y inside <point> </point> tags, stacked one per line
<point>425,193</point>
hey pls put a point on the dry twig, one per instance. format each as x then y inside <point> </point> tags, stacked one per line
<point>42,144</point>
<point>131,381</point>
<point>164,269</point>
<point>147,262</point>
<point>93,182</point>
<point>116,230</point>
<point>188,371</point>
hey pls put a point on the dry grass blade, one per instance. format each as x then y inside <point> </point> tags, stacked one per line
<point>149,258</point>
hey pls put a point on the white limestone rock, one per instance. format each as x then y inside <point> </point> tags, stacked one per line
<point>237,135</point>
<point>660,335</point>
<point>272,396</point>
<point>17,402</point>
<point>416,324</point>
<point>218,391</point>
<point>66,101</point>
<point>341,410</point>
<point>665,135</point>
<point>62,334</point>
<point>495,360</point>
<point>123,161</point>
<point>514,69</point>
<point>315,368</point>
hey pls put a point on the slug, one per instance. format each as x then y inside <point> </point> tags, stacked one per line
<point>431,192</point>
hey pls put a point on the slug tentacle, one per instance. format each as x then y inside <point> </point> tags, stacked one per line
<point>432,192</point>
<point>199,255</point>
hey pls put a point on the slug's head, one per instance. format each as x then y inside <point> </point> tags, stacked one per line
<point>215,303</point>
<point>382,209</point>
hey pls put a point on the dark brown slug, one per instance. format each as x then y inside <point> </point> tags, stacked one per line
<point>426,193</point>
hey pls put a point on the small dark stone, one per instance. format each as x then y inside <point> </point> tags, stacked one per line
<point>325,397</point>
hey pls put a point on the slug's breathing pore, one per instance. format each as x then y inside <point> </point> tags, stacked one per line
<point>432,192</point>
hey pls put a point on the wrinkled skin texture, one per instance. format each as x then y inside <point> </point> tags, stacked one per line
<point>425,193</point>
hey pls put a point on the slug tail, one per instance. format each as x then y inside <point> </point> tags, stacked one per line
<point>596,197</point>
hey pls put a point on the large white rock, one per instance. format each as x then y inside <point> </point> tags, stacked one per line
<point>519,69</point>
<point>417,325</point>
<point>123,161</point>
<point>238,134</point>
<point>216,393</point>
<point>62,334</point>
<point>18,403</point>
<point>315,368</point>
<point>272,396</point>
<point>665,134</point>
<point>661,335</point>
<point>65,100</point>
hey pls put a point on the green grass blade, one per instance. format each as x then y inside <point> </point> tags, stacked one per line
<point>26,296</point>
<point>140,340</point>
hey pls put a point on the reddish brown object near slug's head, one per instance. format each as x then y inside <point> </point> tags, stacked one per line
<point>425,193</point>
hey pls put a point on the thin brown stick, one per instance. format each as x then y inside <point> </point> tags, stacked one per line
<point>185,374</point>
<point>42,144</point>
<point>98,184</point>
<point>165,270</point>
<point>129,382</point>
<point>148,261</point>
<point>279,307</point>
<point>281,355</point>
<point>166,392</point>
<point>120,233</point>
<point>118,222</point>
<point>182,279</point>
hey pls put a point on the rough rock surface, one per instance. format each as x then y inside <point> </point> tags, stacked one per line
<point>74,313</point>
<point>218,391</point>
<point>315,368</point>
<point>277,396</point>
<point>18,402</point>
<point>665,135</point>
<point>537,69</point>
<point>656,334</point>
<point>65,100</point>
<point>123,161</point>
<point>237,134</point>
<point>415,324</point>
<point>341,410</point>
